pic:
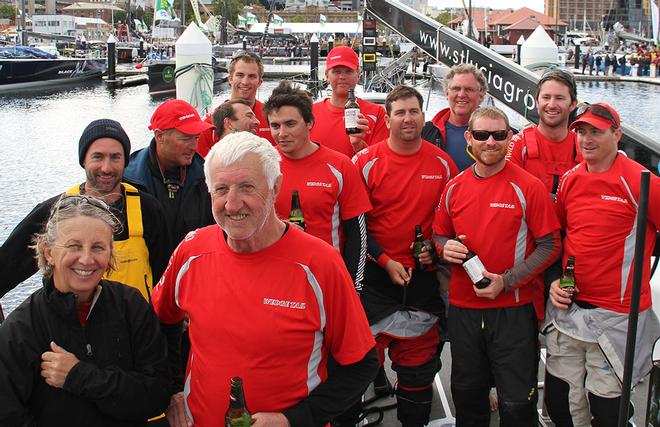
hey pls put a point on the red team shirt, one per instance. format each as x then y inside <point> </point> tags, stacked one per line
<point>269,317</point>
<point>330,191</point>
<point>598,212</point>
<point>329,129</point>
<point>500,216</point>
<point>404,191</point>
<point>208,138</point>
<point>554,158</point>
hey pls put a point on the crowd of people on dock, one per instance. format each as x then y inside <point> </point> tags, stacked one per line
<point>175,268</point>
<point>635,62</point>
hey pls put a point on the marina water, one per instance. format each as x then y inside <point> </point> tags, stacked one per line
<point>39,137</point>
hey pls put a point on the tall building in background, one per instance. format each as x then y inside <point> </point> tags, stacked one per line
<point>595,15</point>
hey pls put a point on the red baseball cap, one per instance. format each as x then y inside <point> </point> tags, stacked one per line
<point>179,115</point>
<point>342,55</point>
<point>599,115</point>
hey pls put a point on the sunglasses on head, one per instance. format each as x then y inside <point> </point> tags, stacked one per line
<point>76,200</point>
<point>596,110</point>
<point>483,135</point>
<point>241,54</point>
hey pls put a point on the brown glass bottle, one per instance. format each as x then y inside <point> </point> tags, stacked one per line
<point>237,415</point>
<point>474,268</point>
<point>418,245</point>
<point>567,281</point>
<point>296,215</point>
<point>351,111</point>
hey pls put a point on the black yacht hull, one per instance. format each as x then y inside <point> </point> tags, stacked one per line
<point>21,74</point>
<point>162,82</point>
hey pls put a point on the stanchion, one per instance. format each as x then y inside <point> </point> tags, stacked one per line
<point>640,240</point>
<point>314,64</point>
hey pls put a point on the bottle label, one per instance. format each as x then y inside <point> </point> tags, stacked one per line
<point>351,118</point>
<point>474,269</point>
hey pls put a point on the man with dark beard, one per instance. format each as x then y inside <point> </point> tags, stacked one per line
<point>141,247</point>
<point>549,150</point>
<point>504,215</point>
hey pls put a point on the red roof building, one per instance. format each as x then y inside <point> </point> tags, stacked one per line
<point>505,26</point>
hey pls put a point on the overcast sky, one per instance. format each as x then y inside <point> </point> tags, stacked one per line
<point>495,4</point>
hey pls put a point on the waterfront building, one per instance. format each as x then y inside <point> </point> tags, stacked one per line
<point>594,15</point>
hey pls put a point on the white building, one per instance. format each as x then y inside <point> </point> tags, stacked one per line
<point>62,25</point>
<point>418,5</point>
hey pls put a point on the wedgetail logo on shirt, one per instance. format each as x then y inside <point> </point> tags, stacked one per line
<point>613,198</point>
<point>319,184</point>
<point>432,177</point>
<point>286,304</point>
<point>502,205</point>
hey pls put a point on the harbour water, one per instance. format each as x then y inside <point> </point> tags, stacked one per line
<point>39,137</point>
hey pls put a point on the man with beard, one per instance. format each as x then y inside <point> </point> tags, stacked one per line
<point>171,170</point>
<point>141,246</point>
<point>503,215</point>
<point>549,150</point>
<point>465,88</point>
<point>245,77</point>
<point>404,177</point>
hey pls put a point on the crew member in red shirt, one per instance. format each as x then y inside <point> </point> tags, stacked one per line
<point>597,205</point>
<point>404,177</point>
<point>342,72</point>
<point>234,115</point>
<point>245,77</point>
<point>549,150</point>
<point>267,303</point>
<point>332,197</point>
<point>505,216</point>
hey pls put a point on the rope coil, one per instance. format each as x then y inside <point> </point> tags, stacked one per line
<point>202,94</point>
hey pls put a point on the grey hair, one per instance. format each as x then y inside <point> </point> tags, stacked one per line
<point>466,69</point>
<point>62,211</point>
<point>234,147</point>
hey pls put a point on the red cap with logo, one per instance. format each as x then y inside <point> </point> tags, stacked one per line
<point>599,115</point>
<point>342,55</point>
<point>179,115</point>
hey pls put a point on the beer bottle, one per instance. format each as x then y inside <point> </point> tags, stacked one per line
<point>296,215</point>
<point>351,111</point>
<point>474,268</point>
<point>418,245</point>
<point>567,281</point>
<point>237,415</point>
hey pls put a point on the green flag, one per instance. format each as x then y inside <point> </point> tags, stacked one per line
<point>322,19</point>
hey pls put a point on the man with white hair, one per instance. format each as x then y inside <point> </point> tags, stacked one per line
<point>267,303</point>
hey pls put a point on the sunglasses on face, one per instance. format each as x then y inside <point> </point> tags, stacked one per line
<point>596,110</point>
<point>483,135</point>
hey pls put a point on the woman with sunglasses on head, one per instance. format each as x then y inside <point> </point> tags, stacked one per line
<point>81,351</point>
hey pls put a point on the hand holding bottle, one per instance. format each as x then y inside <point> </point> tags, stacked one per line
<point>494,288</point>
<point>454,251</point>
<point>358,139</point>
<point>558,297</point>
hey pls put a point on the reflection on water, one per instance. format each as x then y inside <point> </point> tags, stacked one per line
<point>40,131</point>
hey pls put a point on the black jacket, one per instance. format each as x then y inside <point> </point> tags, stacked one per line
<point>121,379</point>
<point>17,259</point>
